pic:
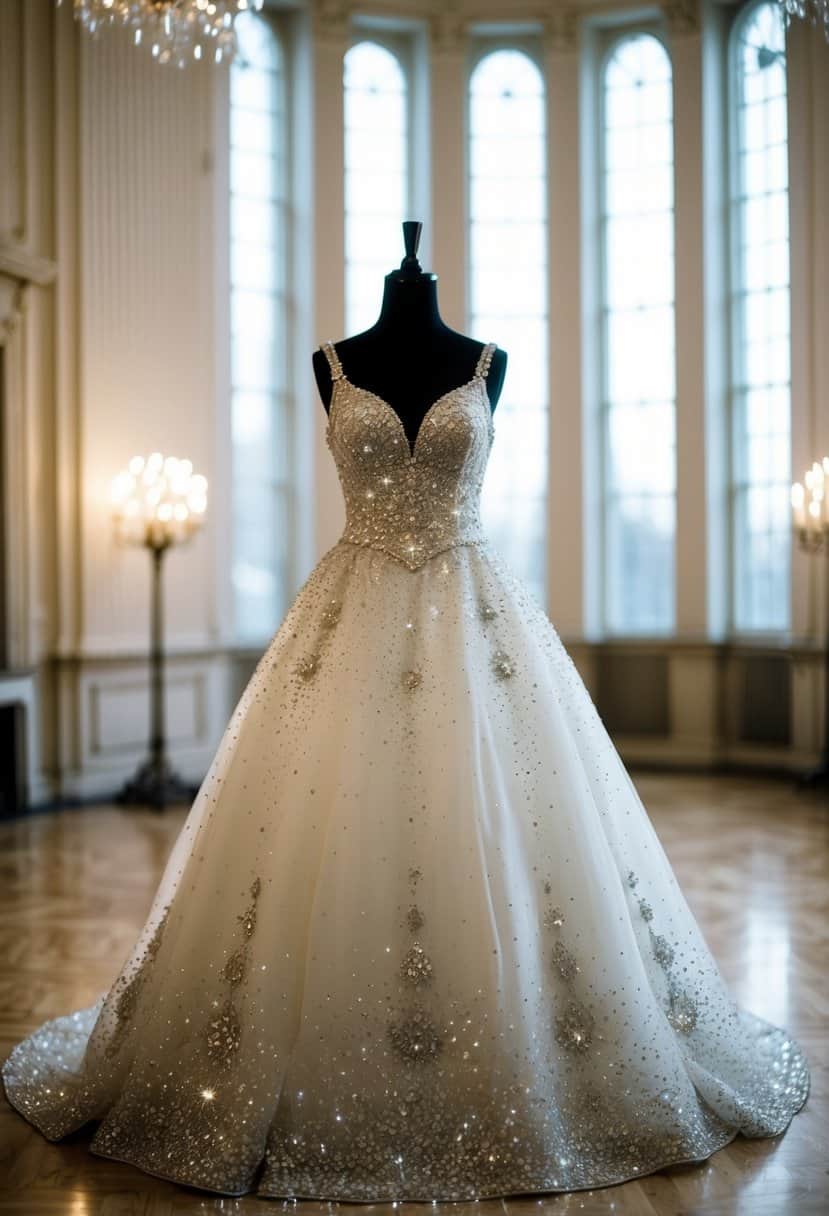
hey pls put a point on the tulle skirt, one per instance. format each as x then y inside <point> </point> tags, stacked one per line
<point>417,938</point>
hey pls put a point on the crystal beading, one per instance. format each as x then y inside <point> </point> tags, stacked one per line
<point>411,505</point>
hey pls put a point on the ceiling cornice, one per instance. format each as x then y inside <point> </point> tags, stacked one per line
<point>448,20</point>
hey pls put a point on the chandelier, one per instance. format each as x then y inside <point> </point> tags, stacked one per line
<point>815,11</point>
<point>176,31</point>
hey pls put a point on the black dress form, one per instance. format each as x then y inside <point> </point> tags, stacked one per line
<point>410,357</point>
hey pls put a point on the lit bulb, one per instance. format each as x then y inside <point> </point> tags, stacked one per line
<point>122,486</point>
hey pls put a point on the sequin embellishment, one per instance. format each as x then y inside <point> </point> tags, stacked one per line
<point>416,967</point>
<point>413,1034</point>
<point>574,1027</point>
<point>308,666</point>
<point>681,1009</point>
<point>564,962</point>
<point>223,1035</point>
<point>412,679</point>
<point>127,991</point>
<point>411,505</point>
<point>330,614</point>
<point>502,665</point>
<point>416,1037</point>
<point>663,951</point>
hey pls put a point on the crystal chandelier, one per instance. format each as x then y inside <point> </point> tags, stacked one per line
<point>176,31</point>
<point>815,11</point>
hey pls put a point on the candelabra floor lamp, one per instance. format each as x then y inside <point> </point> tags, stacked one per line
<point>158,503</point>
<point>811,526</point>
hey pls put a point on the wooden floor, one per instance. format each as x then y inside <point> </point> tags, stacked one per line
<point>750,854</point>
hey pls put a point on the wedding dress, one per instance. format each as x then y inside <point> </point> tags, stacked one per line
<point>417,938</point>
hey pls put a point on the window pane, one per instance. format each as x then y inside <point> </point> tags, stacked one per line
<point>376,176</point>
<point>638,433</point>
<point>261,407</point>
<point>508,300</point>
<point>760,417</point>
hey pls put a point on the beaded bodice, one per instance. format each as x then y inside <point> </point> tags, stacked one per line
<point>411,503</point>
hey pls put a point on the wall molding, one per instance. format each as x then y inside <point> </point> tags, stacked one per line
<point>24,267</point>
<point>447,24</point>
<point>560,29</point>
<point>330,19</point>
<point>682,16</point>
<point>710,721</point>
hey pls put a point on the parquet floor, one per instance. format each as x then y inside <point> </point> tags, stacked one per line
<point>750,854</point>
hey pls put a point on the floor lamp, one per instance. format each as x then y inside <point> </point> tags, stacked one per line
<point>158,503</point>
<point>810,511</point>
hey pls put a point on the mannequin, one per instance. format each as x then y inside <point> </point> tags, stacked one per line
<point>410,357</point>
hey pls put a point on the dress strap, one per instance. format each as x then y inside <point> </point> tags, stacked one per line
<point>484,359</point>
<point>333,360</point>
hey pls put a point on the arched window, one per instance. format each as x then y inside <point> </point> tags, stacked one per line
<point>638,465</point>
<point>261,406</point>
<point>760,385</point>
<point>376,176</point>
<point>507,294</point>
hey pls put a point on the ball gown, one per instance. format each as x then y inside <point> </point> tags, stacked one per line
<point>417,938</point>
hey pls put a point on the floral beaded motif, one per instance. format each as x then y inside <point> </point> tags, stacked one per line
<point>415,1037</point>
<point>574,1027</point>
<point>573,1021</point>
<point>564,962</point>
<point>416,967</point>
<point>413,1034</point>
<point>502,665</point>
<point>307,666</point>
<point>681,1009</point>
<point>223,1035</point>
<point>128,991</point>
<point>330,614</point>
<point>411,504</point>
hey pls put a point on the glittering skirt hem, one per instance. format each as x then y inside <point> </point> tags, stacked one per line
<point>342,1195</point>
<point>402,1196</point>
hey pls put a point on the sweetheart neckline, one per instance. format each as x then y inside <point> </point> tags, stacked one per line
<point>412,450</point>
